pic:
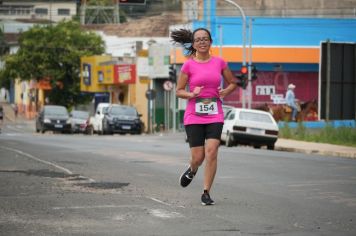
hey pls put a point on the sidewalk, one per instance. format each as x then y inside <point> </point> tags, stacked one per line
<point>325,149</point>
<point>9,114</point>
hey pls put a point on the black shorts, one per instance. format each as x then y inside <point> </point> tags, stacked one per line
<point>198,133</point>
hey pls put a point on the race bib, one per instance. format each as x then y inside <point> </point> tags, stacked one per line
<point>206,106</point>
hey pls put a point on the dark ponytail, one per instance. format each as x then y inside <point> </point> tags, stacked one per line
<point>185,38</point>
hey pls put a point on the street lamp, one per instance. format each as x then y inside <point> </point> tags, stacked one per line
<point>243,40</point>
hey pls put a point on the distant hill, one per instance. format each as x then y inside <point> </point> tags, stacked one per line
<point>150,26</point>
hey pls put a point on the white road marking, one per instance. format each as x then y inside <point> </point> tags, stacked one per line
<point>159,201</point>
<point>160,213</point>
<point>162,202</point>
<point>39,160</point>
<point>95,207</point>
<point>12,134</point>
<point>164,214</point>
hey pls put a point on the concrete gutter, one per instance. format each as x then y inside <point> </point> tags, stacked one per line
<point>315,148</point>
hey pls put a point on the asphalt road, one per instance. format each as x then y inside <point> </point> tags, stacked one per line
<point>53,184</point>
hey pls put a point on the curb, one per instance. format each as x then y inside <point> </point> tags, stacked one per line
<point>319,152</point>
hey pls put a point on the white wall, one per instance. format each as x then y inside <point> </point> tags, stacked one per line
<point>119,46</point>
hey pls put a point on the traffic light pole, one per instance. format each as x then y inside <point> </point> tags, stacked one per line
<point>174,93</point>
<point>249,85</point>
<point>243,42</point>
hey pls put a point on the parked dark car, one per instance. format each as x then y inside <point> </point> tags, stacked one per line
<point>78,121</point>
<point>122,119</point>
<point>53,118</point>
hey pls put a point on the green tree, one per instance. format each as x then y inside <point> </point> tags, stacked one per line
<point>4,50</point>
<point>54,52</point>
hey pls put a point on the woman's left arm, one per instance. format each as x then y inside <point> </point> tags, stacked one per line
<point>230,80</point>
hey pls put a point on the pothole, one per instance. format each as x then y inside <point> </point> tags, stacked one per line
<point>103,185</point>
<point>141,162</point>
<point>42,173</point>
<point>78,178</point>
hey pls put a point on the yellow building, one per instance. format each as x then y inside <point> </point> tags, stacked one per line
<point>101,74</point>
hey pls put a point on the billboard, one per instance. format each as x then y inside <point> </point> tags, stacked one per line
<point>159,60</point>
<point>124,74</point>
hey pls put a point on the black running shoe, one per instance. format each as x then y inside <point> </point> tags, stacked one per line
<point>206,200</point>
<point>186,177</point>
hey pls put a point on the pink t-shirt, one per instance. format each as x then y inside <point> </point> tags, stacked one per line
<point>209,75</point>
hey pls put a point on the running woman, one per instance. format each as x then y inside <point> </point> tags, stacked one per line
<point>199,82</point>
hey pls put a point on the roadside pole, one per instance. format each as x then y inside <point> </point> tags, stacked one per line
<point>174,97</point>
<point>249,85</point>
<point>243,42</point>
<point>220,49</point>
<point>328,78</point>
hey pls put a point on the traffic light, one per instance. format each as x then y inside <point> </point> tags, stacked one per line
<point>172,73</point>
<point>242,77</point>
<point>253,73</point>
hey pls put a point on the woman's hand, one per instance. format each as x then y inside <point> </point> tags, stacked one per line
<point>223,92</point>
<point>197,91</point>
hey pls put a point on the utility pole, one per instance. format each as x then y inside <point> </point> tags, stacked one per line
<point>328,79</point>
<point>249,85</point>
<point>100,11</point>
<point>50,12</point>
<point>243,42</point>
<point>174,98</point>
<point>83,8</point>
<point>116,14</point>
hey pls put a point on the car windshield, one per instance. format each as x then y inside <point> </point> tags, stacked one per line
<point>122,110</point>
<point>80,114</point>
<point>60,111</point>
<point>252,116</point>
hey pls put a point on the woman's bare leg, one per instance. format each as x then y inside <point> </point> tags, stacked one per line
<point>211,154</point>
<point>198,154</point>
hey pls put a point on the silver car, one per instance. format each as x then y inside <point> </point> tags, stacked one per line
<point>78,121</point>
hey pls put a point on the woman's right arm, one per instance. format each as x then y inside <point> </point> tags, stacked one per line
<point>181,91</point>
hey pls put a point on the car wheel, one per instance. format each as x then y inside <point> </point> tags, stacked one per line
<point>101,131</point>
<point>257,147</point>
<point>104,127</point>
<point>90,130</point>
<point>228,142</point>
<point>270,147</point>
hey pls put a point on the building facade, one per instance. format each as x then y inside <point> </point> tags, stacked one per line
<point>53,11</point>
<point>284,50</point>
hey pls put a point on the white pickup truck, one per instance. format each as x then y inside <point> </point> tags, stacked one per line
<point>96,121</point>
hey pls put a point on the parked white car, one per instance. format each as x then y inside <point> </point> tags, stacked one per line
<point>249,127</point>
<point>226,109</point>
<point>95,124</point>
